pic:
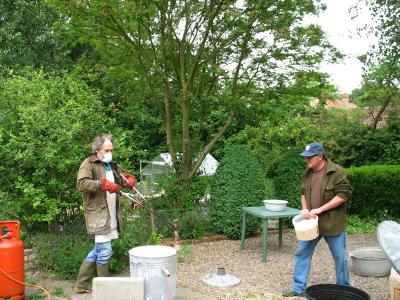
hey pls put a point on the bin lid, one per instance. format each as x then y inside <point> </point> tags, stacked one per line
<point>389,239</point>
<point>152,251</point>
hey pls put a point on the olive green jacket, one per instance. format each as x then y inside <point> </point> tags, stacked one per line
<point>97,216</point>
<point>334,183</point>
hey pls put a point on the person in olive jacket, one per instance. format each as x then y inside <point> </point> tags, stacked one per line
<point>100,181</point>
<point>324,192</point>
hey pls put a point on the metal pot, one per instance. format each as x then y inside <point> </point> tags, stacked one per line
<point>370,262</point>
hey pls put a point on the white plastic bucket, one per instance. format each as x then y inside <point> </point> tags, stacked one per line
<point>306,229</point>
<point>157,265</point>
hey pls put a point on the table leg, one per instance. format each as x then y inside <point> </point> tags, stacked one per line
<point>243,231</point>
<point>264,240</point>
<point>280,232</point>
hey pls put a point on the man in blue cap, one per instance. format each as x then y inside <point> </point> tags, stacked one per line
<point>324,192</point>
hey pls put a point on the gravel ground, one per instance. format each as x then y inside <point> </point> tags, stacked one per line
<point>266,280</point>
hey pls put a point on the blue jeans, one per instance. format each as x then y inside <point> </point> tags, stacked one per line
<point>304,253</point>
<point>101,253</point>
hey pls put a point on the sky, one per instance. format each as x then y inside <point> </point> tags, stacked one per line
<point>342,32</point>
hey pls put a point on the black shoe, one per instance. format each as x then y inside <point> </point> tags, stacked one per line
<point>291,293</point>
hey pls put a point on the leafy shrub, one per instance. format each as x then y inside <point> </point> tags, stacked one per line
<point>355,224</point>
<point>376,191</point>
<point>61,253</point>
<point>353,143</point>
<point>193,224</point>
<point>155,238</point>
<point>286,176</point>
<point>238,182</point>
<point>47,125</point>
<point>120,258</point>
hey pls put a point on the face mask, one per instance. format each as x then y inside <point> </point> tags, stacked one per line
<point>107,157</point>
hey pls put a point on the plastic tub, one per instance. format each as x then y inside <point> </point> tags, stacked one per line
<point>306,229</point>
<point>335,292</point>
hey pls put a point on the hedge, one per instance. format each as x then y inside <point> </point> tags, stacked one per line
<point>287,176</point>
<point>376,191</point>
<point>238,182</point>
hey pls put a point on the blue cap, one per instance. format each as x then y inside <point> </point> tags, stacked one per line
<point>313,149</point>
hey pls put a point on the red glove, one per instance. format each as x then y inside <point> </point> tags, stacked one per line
<point>109,186</point>
<point>131,181</point>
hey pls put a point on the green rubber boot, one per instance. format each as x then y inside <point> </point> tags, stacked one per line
<point>102,270</point>
<point>83,282</point>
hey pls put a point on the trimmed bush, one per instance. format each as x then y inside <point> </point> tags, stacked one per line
<point>376,191</point>
<point>193,224</point>
<point>287,176</point>
<point>238,182</point>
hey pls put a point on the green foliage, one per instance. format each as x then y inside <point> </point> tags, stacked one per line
<point>200,98</point>
<point>270,189</point>
<point>287,121</point>
<point>385,15</point>
<point>199,189</point>
<point>185,254</point>
<point>355,224</point>
<point>376,191</point>
<point>155,238</point>
<point>59,292</point>
<point>61,253</point>
<point>137,225</point>
<point>47,125</point>
<point>120,258</point>
<point>27,38</point>
<point>193,224</point>
<point>287,173</point>
<point>238,182</point>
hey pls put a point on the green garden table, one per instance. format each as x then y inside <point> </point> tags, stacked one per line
<point>261,212</point>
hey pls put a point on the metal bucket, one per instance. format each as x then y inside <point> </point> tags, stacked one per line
<point>370,261</point>
<point>157,265</point>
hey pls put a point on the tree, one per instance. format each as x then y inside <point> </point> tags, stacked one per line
<point>198,60</point>
<point>381,80</point>
<point>386,14</point>
<point>27,39</point>
<point>379,93</point>
<point>47,125</point>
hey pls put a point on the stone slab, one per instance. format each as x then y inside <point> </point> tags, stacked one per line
<point>121,288</point>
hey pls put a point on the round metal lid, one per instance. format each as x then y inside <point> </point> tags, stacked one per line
<point>221,279</point>
<point>389,239</point>
<point>152,251</point>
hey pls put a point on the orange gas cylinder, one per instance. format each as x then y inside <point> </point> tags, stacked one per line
<point>11,261</point>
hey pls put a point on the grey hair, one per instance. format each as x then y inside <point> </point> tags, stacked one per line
<point>99,141</point>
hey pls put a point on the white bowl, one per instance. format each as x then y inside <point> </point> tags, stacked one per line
<point>275,205</point>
